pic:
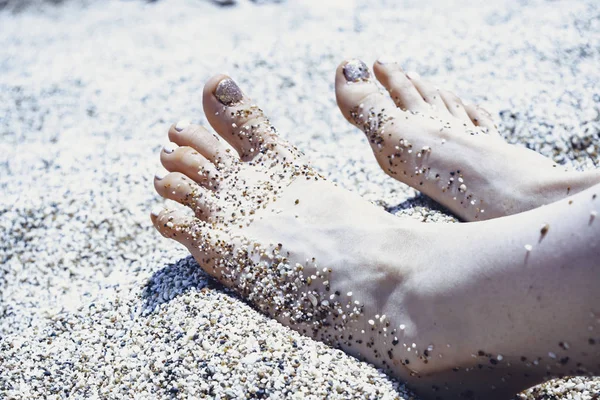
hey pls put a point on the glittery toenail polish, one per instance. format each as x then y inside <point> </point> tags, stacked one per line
<point>181,125</point>
<point>157,210</point>
<point>228,92</point>
<point>170,147</point>
<point>161,173</point>
<point>356,70</point>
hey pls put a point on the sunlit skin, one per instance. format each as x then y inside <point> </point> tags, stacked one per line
<point>429,139</point>
<point>454,310</point>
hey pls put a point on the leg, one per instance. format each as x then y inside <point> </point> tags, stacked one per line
<point>428,302</point>
<point>521,293</point>
<point>428,139</point>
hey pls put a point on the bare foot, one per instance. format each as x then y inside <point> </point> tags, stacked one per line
<point>428,139</point>
<point>454,309</point>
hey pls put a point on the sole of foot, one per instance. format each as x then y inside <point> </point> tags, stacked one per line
<point>452,152</point>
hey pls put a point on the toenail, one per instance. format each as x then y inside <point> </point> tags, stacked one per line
<point>385,60</point>
<point>412,75</point>
<point>356,70</point>
<point>181,125</point>
<point>170,147</point>
<point>228,92</point>
<point>156,210</point>
<point>161,173</point>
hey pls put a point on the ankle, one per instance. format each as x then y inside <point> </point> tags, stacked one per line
<point>555,185</point>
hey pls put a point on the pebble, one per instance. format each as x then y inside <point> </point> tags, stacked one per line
<point>251,358</point>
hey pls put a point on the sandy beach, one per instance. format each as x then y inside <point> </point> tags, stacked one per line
<point>94,303</point>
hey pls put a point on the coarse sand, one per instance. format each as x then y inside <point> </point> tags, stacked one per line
<point>95,304</point>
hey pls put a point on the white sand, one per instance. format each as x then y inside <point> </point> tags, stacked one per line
<point>94,303</point>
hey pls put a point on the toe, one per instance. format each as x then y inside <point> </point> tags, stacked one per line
<point>207,244</point>
<point>481,117</point>
<point>174,224</point>
<point>429,92</point>
<point>401,89</point>
<point>190,163</point>
<point>455,106</point>
<point>180,188</point>
<point>238,120</point>
<point>197,137</point>
<point>359,98</point>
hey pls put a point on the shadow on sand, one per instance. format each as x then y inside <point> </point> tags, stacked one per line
<point>174,280</point>
<point>419,201</point>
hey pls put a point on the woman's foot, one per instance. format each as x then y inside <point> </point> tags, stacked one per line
<point>429,139</point>
<point>453,309</point>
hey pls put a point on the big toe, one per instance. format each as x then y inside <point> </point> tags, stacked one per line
<point>359,98</point>
<point>236,118</point>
